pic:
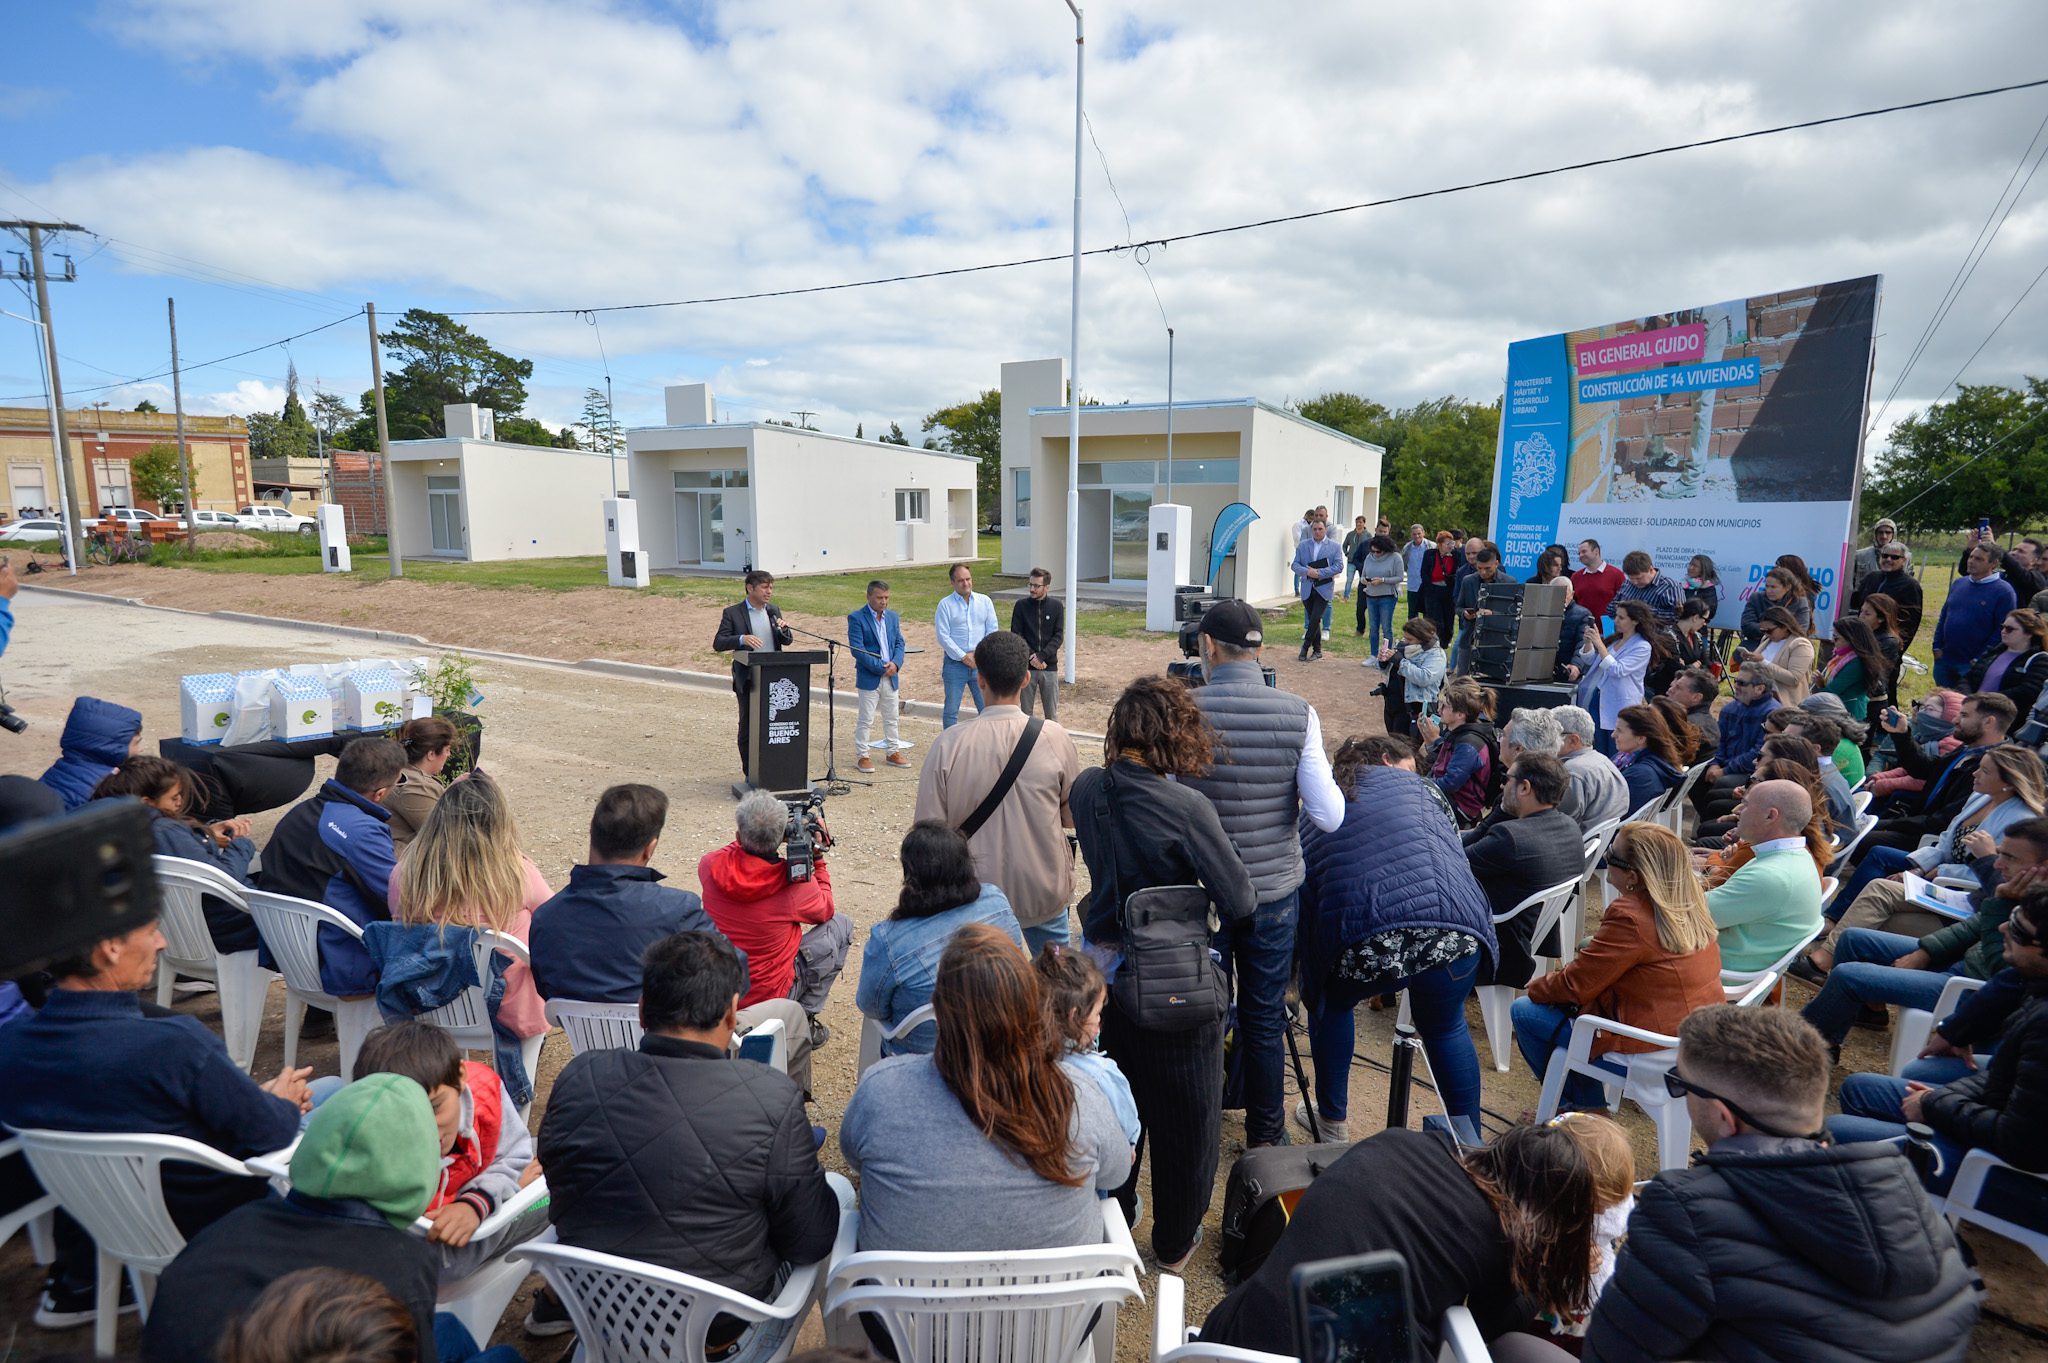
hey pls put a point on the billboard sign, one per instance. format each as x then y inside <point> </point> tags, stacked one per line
<point>1733,430</point>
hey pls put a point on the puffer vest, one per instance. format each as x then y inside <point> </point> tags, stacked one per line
<point>1259,737</point>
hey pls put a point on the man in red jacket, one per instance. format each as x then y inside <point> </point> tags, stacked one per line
<point>794,940</point>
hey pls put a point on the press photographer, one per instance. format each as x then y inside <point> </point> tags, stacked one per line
<point>1414,670</point>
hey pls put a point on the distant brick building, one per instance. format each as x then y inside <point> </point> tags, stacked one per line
<point>358,481</point>
<point>104,443</point>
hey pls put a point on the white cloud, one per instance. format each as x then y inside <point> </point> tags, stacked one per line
<point>523,154</point>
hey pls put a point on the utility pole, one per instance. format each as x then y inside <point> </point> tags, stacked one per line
<point>178,404</point>
<point>384,445</point>
<point>58,434</point>
<point>803,419</point>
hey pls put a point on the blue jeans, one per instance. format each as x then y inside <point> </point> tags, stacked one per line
<point>1053,930</point>
<point>320,1090</point>
<point>959,676</point>
<point>1950,675</point>
<point>1542,1028</point>
<point>454,1344</point>
<point>1258,957</point>
<point>1350,580</point>
<point>1875,864</point>
<point>1864,974</point>
<point>1379,611</point>
<point>1456,664</point>
<point>1436,1000</point>
<point>1872,1111</point>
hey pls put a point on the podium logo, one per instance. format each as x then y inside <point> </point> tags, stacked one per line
<point>783,695</point>
<point>1534,472</point>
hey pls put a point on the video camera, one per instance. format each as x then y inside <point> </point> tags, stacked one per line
<point>10,721</point>
<point>804,837</point>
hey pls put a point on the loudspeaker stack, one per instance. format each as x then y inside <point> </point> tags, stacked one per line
<point>1516,642</point>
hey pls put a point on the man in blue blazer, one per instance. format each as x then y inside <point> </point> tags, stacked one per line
<point>876,635</point>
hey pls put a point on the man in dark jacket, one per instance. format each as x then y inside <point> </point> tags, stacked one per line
<point>1894,580</point>
<point>675,1154</point>
<point>345,832</point>
<point>1536,847</point>
<point>750,626</point>
<point>1982,724</point>
<point>1774,1245</point>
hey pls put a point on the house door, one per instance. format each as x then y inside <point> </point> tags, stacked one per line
<point>1130,513</point>
<point>444,512</point>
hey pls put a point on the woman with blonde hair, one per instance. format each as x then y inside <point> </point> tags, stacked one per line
<point>465,870</point>
<point>1654,960</point>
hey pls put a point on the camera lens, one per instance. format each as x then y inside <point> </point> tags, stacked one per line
<point>10,721</point>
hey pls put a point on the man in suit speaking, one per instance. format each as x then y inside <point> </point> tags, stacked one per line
<point>876,636</point>
<point>754,626</point>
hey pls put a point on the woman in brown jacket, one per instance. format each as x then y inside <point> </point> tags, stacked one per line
<point>427,743</point>
<point>1654,960</point>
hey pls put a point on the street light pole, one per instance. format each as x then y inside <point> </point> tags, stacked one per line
<point>1074,374</point>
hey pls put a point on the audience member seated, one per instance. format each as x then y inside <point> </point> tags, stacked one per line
<point>2015,666</point>
<point>485,1151</point>
<point>465,870</point>
<point>795,941</point>
<point>2005,788</point>
<point>1851,733</point>
<point>1728,853</point>
<point>1654,959</point>
<point>1857,671</point>
<point>428,742</point>
<point>1651,758</point>
<point>1826,737</point>
<point>1782,750</point>
<point>1773,900</point>
<point>169,791</point>
<point>1871,967</point>
<point>1782,589</point>
<point>1535,847</point>
<point>679,1156</point>
<point>1981,724</point>
<point>1996,1105</point>
<point>989,1143</point>
<point>1505,1229</point>
<point>1742,740</point>
<point>1692,643</point>
<point>1389,905</point>
<point>941,894</point>
<point>1075,995</point>
<point>1612,1160</point>
<point>91,1060</point>
<point>1462,746</point>
<point>1695,689</point>
<point>98,736</point>
<point>1774,1245</point>
<point>1598,793</point>
<point>364,1172</point>
<point>325,1314</point>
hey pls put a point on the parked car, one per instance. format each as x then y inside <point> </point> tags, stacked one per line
<point>214,520</point>
<point>275,519</point>
<point>135,518</point>
<point>37,529</point>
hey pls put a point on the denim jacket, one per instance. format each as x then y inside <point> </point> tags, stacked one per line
<point>421,967</point>
<point>902,961</point>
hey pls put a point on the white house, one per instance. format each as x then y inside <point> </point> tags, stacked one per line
<point>1232,450</point>
<point>730,495</point>
<point>470,496</point>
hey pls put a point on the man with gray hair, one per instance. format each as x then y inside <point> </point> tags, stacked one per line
<point>794,939</point>
<point>1599,792</point>
<point>1530,731</point>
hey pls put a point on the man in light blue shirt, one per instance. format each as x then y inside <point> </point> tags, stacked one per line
<point>963,619</point>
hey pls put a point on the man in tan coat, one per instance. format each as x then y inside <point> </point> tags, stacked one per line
<point>1020,845</point>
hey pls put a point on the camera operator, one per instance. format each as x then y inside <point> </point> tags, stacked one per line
<point>781,918</point>
<point>1414,670</point>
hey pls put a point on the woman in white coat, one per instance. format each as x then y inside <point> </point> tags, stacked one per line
<point>1613,669</point>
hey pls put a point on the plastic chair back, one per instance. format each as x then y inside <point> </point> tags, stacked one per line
<point>291,929</point>
<point>112,1184</point>
<point>188,946</point>
<point>873,1037</point>
<point>467,1017</point>
<point>1750,986</point>
<point>596,1026</point>
<point>1171,1341</point>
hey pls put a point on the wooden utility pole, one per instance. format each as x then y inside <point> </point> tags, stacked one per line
<point>384,445</point>
<point>70,493</point>
<point>178,405</point>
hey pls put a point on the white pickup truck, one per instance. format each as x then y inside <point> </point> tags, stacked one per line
<point>275,519</point>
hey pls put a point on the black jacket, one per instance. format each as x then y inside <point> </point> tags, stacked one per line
<point>1138,830</point>
<point>733,626</point>
<point>1512,860</point>
<point>1935,807</point>
<point>2023,678</point>
<point>1900,587</point>
<point>679,1156</point>
<point>1042,625</point>
<point>1783,1250</point>
<point>2003,1107</point>
<point>587,941</point>
<point>295,861</point>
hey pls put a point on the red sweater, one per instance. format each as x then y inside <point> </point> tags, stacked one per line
<point>763,913</point>
<point>1595,591</point>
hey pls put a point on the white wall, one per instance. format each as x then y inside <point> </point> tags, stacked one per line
<point>1290,465</point>
<point>832,501</point>
<point>653,458</point>
<point>531,501</point>
<point>409,497</point>
<point>1027,384</point>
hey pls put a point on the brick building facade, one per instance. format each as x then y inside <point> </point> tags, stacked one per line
<point>104,443</point>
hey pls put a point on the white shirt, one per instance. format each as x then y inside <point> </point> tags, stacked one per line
<point>1316,783</point>
<point>1770,845</point>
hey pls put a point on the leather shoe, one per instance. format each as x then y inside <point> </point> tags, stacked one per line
<point>1805,969</point>
<point>866,764</point>
<point>897,759</point>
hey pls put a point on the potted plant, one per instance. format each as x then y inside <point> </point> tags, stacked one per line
<point>451,685</point>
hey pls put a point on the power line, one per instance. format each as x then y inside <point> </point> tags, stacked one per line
<point>1309,215</point>
<point>205,364</point>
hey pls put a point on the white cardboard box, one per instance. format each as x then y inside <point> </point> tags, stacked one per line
<point>300,707</point>
<point>373,700</point>
<point>206,706</point>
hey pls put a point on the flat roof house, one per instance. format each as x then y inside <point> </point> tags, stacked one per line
<point>469,496</point>
<point>1232,450</point>
<point>733,495</point>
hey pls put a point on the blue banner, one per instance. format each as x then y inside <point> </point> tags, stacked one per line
<point>1535,435</point>
<point>1684,378</point>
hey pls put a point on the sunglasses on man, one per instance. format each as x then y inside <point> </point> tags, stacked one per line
<point>1678,1086</point>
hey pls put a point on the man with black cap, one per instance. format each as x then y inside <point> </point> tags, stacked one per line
<point>1269,767</point>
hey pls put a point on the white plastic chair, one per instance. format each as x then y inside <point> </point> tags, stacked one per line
<point>479,1301</point>
<point>631,1312</point>
<point>1028,1306</point>
<point>1737,983</point>
<point>468,1017</point>
<point>1865,825</point>
<point>243,985</point>
<point>1174,1342</point>
<point>1859,802</point>
<point>1830,886</point>
<point>1495,1000</point>
<point>1462,1342</point>
<point>768,1043</point>
<point>38,1215</point>
<point>1962,1203</point>
<point>596,1026</point>
<point>1671,810</point>
<point>112,1185</point>
<point>872,1037</point>
<point>291,929</point>
<point>1914,1025</point>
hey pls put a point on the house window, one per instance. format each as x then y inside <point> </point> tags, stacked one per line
<point>1023,480</point>
<point>685,479</point>
<point>913,504</point>
<point>1340,507</point>
<point>25,482</point>
<point>1204,470</point>
<point>110,476</point>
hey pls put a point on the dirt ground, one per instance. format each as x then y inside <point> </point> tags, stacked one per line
<point>556,736</point>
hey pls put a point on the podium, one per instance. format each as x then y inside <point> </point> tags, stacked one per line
<point>779,721</point>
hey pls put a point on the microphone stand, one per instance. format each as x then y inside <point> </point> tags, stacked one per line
<point>832,647</point>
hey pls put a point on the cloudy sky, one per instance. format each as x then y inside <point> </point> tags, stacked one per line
<point>274,165</point>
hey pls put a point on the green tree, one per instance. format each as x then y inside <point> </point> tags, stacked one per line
<point>525,430</point>
<point>147,406</point>
<point>599,429</point>
<point>262,434</point>
<point>1930,476</point>
<point>331,415</point>
<point>975,429</point>
<point>153,475</point>
<point>859,431</point>
<point>895,435</point>
<point>439,361</point>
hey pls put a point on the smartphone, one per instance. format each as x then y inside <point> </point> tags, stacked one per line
<point>1892,716</point>
<point>1354,1310</point>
